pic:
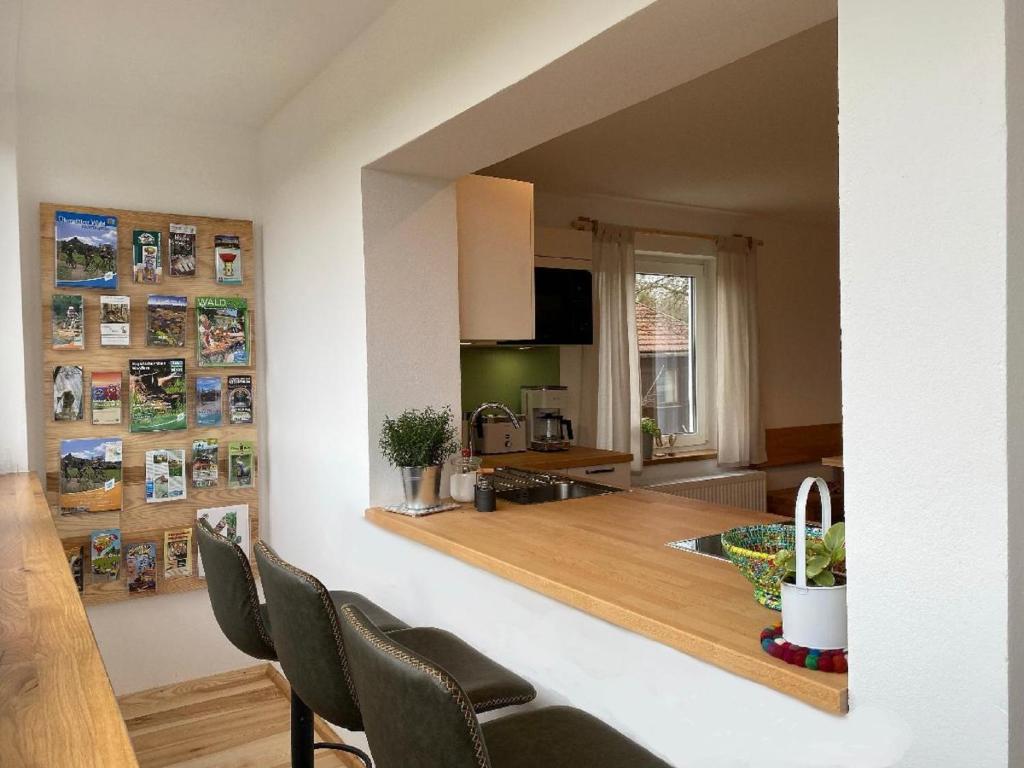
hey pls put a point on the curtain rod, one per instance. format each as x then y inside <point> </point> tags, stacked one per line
<point>585,223</point>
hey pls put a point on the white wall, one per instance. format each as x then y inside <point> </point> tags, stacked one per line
<point>121,160</point>
<point>13,437</point>
<point>315,224</point>
<point>926,343</point>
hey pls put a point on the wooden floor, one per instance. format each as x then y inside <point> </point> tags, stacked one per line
<point>229,720</point>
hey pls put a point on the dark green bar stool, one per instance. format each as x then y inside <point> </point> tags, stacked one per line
<point>307,636</point>
<point>416,715</point>
<point>246,624</point>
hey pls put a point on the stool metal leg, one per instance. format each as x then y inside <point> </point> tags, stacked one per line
<point>302,733</point>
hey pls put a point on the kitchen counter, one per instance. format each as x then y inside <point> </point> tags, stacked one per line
<point>606,556</point>
<point>550,461</point>
<point>56,704</point>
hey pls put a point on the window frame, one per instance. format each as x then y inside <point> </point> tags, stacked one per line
<point>702,338</point>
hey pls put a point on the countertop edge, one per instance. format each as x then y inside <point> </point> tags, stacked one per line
<point>829,699</point>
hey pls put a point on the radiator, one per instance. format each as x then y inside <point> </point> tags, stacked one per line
<point>744,489</point>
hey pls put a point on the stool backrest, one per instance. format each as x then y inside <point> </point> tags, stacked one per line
<point>233,595</point>
<point>414,713</point>
<point>307,636</point>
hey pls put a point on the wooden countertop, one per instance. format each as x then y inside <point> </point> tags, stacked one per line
<point>544,461</point>
<point>606,555</point>
<point>56,703</point>
<point>833,461</point>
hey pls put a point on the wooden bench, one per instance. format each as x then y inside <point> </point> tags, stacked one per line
<point>789,446</point>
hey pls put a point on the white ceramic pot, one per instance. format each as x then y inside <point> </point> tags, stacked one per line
<point>812,616</point>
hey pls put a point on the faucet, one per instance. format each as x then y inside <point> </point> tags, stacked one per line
<point>486,407</point>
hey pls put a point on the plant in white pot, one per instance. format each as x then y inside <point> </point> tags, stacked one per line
<point>814,587</point>
<point>418,442</point>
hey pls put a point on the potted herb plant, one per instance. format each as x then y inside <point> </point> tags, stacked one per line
<point>418,442</point>
<point>814,586</point>
<point>649,429</point>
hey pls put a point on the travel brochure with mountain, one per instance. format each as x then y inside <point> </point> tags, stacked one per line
<point>105,554</point>
<point>208,405</point>
<point>222,331</point>
<point>67,393</point>
<point>165,321</point>
<point>182,250</point>
<point>67,322</point>
<point>157,395</point>
<point>205,458</point>
<point>85,250</point>
<point>147,261</point>
<point>90,475</point>
<point>165,475</point>
<point>115,321</point>
<point>140,562</point>
<point>240,399</point>
<point>106,397</point>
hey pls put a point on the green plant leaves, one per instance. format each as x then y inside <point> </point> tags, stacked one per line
<point>825,579</point>
<point>835,537</point>
<point>419,438</point>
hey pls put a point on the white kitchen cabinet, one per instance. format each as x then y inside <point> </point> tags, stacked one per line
<point>617,475</point>
<point>495,221</point>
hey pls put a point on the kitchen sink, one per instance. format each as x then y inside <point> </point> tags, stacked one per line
<point>521,486</point>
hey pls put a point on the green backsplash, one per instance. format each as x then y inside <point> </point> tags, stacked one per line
<point>495,374</point>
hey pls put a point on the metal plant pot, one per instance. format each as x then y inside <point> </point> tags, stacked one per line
<point>422,486</point>
<point>648,445</point>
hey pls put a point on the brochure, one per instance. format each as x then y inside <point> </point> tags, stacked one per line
<point>240,473</point>
<point>165,475</point>
<point>177,553</point>
<point>106,397</point>
<point>90,475</point>
<point>147,263</point>
<point>67,321</point>
<point>182,246</point>
<point>227,253</point>
<point>222,331</point>
<point>67,393</point>
<point>240,399</point>
<point>204,463</point>
<point>140,562</point>
<point>157,395</point>
<point>208,406</point>
<point>165,321</point>
<point>115,321</point>
<point>85,250</point>
<point>230,522</point>
<point>105,554</point>
<point>76,555</point>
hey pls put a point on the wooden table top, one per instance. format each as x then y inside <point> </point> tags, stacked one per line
<point>606,555</point>
<point>543,461</point>
<point>833,461</point>
<point>56,703</point>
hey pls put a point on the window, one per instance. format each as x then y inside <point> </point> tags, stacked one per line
<point>674,325</point>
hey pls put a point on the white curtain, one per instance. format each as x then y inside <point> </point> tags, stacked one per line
<point>610,396</point>
<point>737,387</point>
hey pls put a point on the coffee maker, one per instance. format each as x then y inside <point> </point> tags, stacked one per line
<point>547,429</point>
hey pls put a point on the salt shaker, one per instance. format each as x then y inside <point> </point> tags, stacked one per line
<point>484,495</point>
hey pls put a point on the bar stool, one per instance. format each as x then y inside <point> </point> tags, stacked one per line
<point>246,624</point>
<point>417,715</point>
<point>307,636</point>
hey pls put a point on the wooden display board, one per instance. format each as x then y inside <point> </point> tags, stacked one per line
<point>138,520</point>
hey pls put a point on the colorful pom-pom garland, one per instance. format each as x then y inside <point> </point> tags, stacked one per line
<point>797,655</point>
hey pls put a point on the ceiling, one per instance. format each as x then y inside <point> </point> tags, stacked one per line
<point>234,61</point>
<point>757,136</point>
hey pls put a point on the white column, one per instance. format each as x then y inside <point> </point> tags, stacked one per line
<point>926,339</point>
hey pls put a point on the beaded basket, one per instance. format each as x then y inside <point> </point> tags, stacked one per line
<point>752,549</point>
